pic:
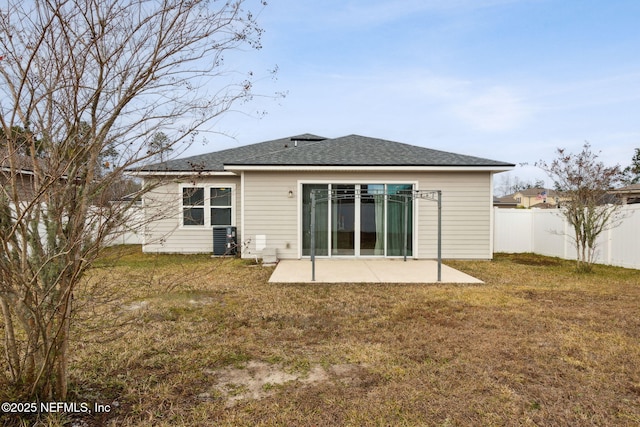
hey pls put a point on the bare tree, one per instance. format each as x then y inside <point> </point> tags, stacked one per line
<point>85,80</point>
<point>585,182</point>
<point>509,184</point>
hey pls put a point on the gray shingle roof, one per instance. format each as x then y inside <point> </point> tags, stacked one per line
<point>532,192</point>
<point>312,150</point>
<point>629,188</point>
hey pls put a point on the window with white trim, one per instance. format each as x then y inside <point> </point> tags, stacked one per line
<point>193,206</point>
<point>220,202</point>
<point>207,206</point>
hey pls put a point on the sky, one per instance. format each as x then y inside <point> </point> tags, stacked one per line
<point>509,80</point>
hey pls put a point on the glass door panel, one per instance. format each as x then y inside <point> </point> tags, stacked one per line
<point>343,216</point>
<point>372,219</point>
<point>322,220</point>
<point>399,226</point>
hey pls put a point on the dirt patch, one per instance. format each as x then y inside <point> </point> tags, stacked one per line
<point>257,380</point>
<point>136,306</point>
<point>201,301</point>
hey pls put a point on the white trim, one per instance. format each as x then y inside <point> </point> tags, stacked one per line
<point>242,198</point>
<point>369,168</point>
<point>299,217</point>
<point>29,172</point>
<point>18,171</point>
<point>491,216</point>
<point>357,222</point>
<point>415,222</point>
<point>361,181</point>
<point>207,207</point>
<point>385,227</point>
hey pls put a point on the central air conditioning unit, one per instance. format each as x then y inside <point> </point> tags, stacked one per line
<point>225,241</point>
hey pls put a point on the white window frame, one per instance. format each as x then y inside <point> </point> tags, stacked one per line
<point>225,207</point>
<point>183,206</point>
<point>207,204</point>
<point>415,212</point>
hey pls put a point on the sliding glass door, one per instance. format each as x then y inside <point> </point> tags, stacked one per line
<point>358,219</point>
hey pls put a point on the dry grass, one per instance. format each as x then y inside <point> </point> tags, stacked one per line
<point>210,342</point>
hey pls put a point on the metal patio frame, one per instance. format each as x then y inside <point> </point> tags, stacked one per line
<point>320,195</point>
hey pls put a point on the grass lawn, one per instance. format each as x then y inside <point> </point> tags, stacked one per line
<point>190,340</point>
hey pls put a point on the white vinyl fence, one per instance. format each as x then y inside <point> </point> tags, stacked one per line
<point>546,232</point>
<point>131,231</point>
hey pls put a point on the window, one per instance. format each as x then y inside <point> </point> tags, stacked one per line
<point>193,206</point>
<point>220,201</point>
<point>207,206</point>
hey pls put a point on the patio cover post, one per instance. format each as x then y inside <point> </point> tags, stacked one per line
<point>406,225</point>
<point>313,235</point>
<point>439,235</point>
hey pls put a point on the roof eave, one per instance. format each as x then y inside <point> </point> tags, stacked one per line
<point>19,171</point>
<point>625,191</point>
<point>370,168</point>
<point>179,173</point>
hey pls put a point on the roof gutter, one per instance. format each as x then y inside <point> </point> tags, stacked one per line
<point>180,173</point>
<point>315,168</point>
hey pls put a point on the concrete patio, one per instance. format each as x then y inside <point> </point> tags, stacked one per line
<point>364,270</point>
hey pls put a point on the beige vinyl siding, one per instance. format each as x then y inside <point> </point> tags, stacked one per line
<point>269,211</point>
<point>466,216</point>
<point>163,205</point>
<point>466,209</point>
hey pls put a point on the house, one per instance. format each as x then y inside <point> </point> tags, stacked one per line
<point>535,198</point>
<point>22,173</point>
<point>629,194</point>
<point>23,179</point>
<point>506,202</point>
<point>264,190</point>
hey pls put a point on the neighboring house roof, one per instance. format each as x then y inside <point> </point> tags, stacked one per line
<point>23,165</point>
<point>504,202</point>
<point>629,194</point>
<point>533,192</point>
<point>313,150</point>
<point>633,188</point>
<point>27,166</point>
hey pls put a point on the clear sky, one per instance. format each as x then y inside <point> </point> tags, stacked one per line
<point>510,80</point>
